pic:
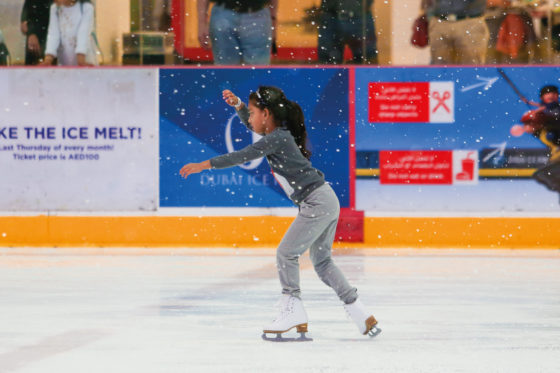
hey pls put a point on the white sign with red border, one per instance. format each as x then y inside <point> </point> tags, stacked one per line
<point>412,102</point>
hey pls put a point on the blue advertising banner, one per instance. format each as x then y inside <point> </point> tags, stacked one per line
<point>196,124</point>
<point>406,115</point>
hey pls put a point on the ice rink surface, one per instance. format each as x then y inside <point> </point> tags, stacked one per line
<point>202,310</point>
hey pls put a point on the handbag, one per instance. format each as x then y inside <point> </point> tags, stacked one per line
<point>419,36</point>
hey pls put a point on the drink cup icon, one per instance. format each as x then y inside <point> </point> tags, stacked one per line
<point>467,171</point>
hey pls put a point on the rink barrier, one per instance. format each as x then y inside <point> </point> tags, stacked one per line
<point>147,230</point>
<point>267,231</point>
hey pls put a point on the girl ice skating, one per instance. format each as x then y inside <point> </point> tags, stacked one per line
<point>281,122</point>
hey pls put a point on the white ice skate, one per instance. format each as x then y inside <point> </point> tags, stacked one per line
<point>292,315</point>
<point>362,318</point>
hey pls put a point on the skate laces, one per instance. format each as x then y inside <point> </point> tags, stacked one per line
<point>285,307</point>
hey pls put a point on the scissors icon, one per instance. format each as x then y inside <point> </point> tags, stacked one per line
<point>441,101</point>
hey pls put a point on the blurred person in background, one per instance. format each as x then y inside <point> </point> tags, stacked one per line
<point>544,124</point>
<point>457,31</point>
<point>162,15</point>
<point>4,53</point>
<point>512,33</point>
<point>347,23</point>
<point>34,25</point>
<point>69,38</point>
<point>238,31</point>
<point>156,15</point>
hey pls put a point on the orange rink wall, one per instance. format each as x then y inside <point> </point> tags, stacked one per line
<point>267,231</point>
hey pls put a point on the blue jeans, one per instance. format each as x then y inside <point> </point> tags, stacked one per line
<point>336,33</point>
<point>240,38</point>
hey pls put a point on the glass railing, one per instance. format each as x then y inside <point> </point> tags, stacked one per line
<point>278,32</point>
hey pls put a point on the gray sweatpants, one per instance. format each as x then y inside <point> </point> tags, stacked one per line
<point>313,229</point>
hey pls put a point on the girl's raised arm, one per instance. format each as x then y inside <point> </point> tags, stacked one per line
<point>231,99</point>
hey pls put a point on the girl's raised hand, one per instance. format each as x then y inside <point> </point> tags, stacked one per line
<point>230,98</point>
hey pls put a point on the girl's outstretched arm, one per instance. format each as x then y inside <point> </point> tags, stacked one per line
<point>194,168</point>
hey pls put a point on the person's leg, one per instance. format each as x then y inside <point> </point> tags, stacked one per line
<point>223,35</point>
<point>549,176</point>
<point>29,56</point>
<point>441,48</point>
<point>331,275</point>
<point>255,37</point>
<point>330,45</point>
<point>328,272</point>
<point>362,52</point>
<point>471,41</point>
<point>313,218</point>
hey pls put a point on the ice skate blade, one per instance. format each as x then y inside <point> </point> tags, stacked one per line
<point>279,338</point>
<point>373,332</point>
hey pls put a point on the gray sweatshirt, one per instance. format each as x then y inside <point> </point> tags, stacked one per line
<point>290,168</point>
